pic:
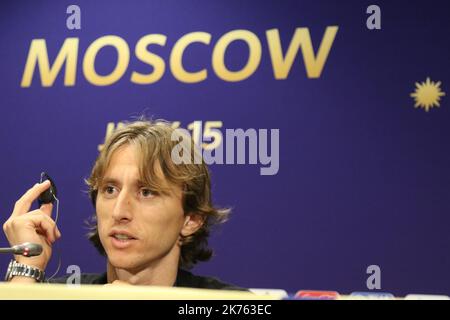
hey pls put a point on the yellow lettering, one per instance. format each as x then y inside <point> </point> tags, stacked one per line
<point>150,58</point>
<point>123,57</point>
<point>38,54</point>
<point>176,57</point>
<point>301,39</point>
<point>254,58</point>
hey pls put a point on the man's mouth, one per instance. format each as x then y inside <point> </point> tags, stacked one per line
<point>122,240</point>
<point>122,237</point>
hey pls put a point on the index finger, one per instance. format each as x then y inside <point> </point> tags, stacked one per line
<point>23,205</point>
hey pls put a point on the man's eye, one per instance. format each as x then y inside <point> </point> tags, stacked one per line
<point>109,189</point>
<point>146,193</point>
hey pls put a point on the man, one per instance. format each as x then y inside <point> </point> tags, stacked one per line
<point>153,217</point>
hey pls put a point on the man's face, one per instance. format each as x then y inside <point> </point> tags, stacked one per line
<point>136,227</point>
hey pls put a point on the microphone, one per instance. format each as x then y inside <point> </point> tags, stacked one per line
<point>26,249</point>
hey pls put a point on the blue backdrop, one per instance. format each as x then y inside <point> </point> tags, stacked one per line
<point>364,176</point>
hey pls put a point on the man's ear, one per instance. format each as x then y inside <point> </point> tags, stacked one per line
<point>192,222</point>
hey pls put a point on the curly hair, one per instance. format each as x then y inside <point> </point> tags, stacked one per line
<point>154,141</point>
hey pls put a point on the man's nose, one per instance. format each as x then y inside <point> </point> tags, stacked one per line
<point>122,209</point>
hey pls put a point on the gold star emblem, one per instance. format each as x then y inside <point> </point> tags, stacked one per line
<point>427,94</point>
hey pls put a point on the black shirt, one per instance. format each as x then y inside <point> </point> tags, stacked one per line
<point>184,279</point>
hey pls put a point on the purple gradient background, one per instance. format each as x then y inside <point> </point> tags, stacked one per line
<point>364,177</point>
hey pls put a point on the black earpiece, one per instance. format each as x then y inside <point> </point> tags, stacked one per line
<point>49,195</point>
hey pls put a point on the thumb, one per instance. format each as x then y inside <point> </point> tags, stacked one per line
<point>47,209</point>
